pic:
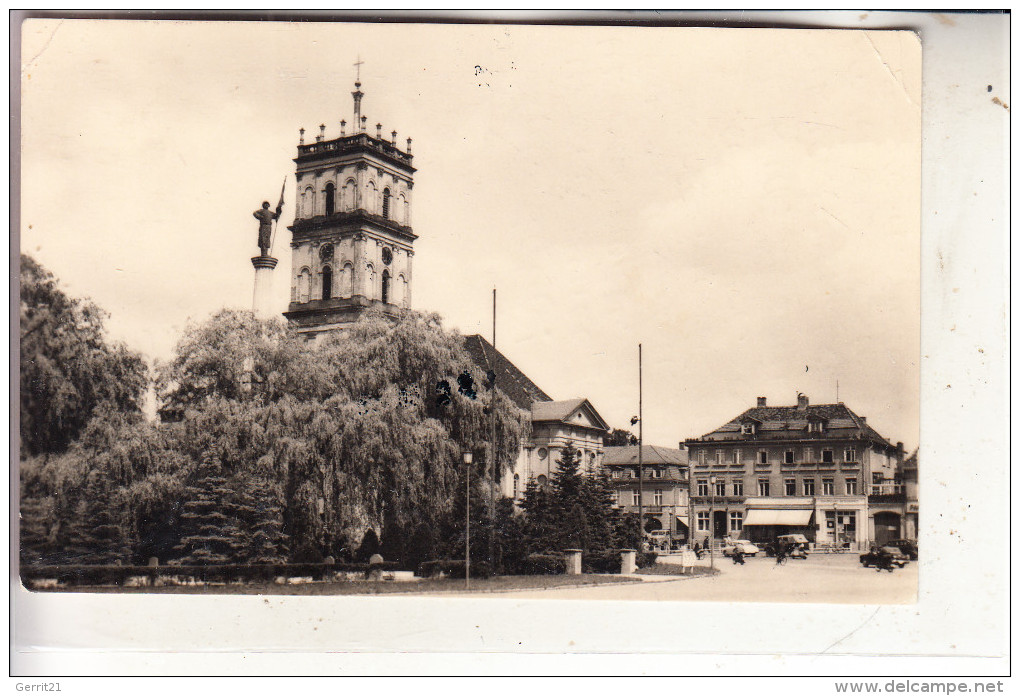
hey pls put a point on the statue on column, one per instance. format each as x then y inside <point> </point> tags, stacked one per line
<point>265,217</point>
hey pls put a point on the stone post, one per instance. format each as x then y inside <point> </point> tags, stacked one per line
<point>262,297</point>
<point>573,557</point>
<point>628,561</point>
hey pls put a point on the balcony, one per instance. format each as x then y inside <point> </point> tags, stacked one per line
<point>887,493</point>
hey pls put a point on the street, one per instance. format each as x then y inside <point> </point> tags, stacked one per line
<point>820,578</point>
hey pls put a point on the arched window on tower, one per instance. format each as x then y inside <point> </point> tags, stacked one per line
<point>403,212</point>
<point>347,287</point>
<point>304,283</point>
<point>385,286</point>
<point>400,298</point>
<point>308,202</point>
<point>330,198</point>
<point>327,282</point>
<point>349,194</point>
<point>371,203</point>
<point>386,203</point>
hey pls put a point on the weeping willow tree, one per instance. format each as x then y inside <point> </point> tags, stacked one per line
<point>363,431</point>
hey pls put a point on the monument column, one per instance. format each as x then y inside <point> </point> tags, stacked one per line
<point>262,297</point>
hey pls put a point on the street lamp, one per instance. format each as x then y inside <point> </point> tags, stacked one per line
<point>467,519</point>
<point>711,523</point>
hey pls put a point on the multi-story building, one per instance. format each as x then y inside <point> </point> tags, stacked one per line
<point>790,469</point>
<point>664,493</point>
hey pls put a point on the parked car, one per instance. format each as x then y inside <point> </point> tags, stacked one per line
<point>897,557</point>
<point>745,546</point>
<point>906,546</point>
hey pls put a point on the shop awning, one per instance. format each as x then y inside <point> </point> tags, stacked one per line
<point>771,516</point>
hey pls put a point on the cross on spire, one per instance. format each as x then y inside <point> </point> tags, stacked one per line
<point>358,65</point>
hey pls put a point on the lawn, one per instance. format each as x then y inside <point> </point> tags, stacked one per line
<point>673,569</point>
<point>501,583</point>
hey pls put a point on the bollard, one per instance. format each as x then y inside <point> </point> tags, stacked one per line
<point>573,558</point>
<point>628,561</point>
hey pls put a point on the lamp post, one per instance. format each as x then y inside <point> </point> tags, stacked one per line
<point>467,519</point>
<point>711,523</point>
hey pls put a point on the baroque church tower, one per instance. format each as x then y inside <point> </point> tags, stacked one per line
<point>351,242</point>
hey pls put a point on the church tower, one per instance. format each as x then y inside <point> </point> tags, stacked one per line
<point>351,242</point>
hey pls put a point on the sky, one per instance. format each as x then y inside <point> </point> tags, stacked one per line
<point>743,203</point>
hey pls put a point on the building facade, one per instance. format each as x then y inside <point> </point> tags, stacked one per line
<point>352,244</point>
<point>805,469</point>
<point>663,494</point>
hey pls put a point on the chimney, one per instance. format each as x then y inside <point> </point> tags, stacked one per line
<point>343,128</point>
<point>761,401</point>
<point>802,401</point>
<point>302,140</point>
<point>378,131</point>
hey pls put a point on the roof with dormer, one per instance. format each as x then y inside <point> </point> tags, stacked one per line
<point>650,454</point>
<point>791,423</point>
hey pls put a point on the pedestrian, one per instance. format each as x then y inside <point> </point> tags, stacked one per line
<point>883,561</point>
<point>738,556</point>
<point>780,553</point>
<point>697,550</point>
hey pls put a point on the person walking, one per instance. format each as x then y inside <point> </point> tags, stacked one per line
<point>738,556</point>
<point>780,553</point>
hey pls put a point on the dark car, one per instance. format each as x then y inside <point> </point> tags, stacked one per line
<point>877,555</point>
<point>906,546</point>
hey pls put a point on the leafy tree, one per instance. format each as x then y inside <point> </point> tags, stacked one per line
<point>68,368</point>
<point>618,437</point>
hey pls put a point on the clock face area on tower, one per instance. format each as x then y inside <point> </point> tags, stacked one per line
<point>351,242</point>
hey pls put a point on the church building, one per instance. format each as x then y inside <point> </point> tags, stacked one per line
<point>352,248</point>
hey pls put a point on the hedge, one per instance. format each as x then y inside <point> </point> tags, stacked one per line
<point>453,569</point>
<point>645,560</point>
<point>544,564</point>
<point>117,575</point>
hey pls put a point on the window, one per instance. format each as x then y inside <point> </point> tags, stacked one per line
<point>738,487</point>
<point>736,456</point>
<point>791,486</point>
<point>386,203</point>
<point>809,486</point>
<point>763,457</point>
<point>747,429</point>
<point>616,473</point>
<point>736,521</point>
<point>327,282</point>
<point>851,486</point>
<point>542,482</point>
<point>827,487</point>
<point>385,286</point>
<point>814,426</point>
<point>330,198</point>
<point>827,456</point>
<point>657,496</point>
<point>635,497</point>
<point>720,488</point>
<point>763,487</point>
<point>850,454</point>
<point>347,195</point>
<point>347,282</point>
<point>702,487</point>
<point>701,457</point>
<point>719,457</point>
<point>788,457</point>
<point>809,455</point>
<point>517,484</point>
<point>542,453</point>
<point>304,285</point>
<point>703,521</point>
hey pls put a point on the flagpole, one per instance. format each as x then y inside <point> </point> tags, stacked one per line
<point>272,239</point>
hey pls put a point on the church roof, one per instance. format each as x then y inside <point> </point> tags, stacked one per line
<point>564,411</point>
<point>510,380</point>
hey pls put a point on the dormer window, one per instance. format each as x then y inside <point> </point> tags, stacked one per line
<point>815,426</point>
<point>747,429</point>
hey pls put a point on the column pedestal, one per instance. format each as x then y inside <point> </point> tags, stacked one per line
<point>262,296</point>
